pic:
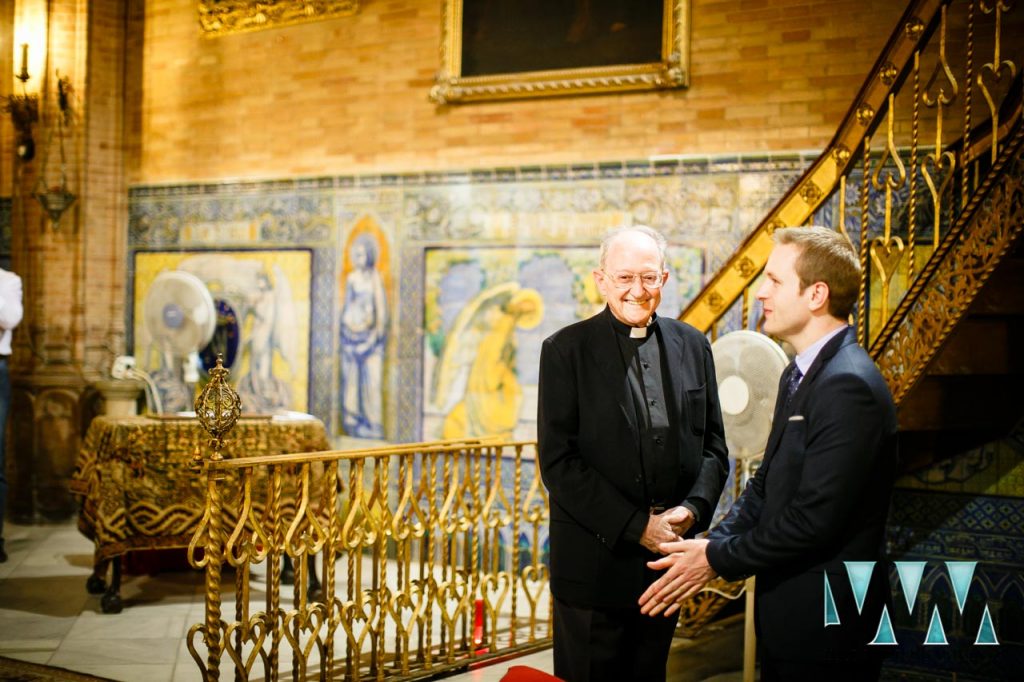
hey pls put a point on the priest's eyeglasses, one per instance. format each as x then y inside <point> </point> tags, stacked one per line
<point>624,280</point>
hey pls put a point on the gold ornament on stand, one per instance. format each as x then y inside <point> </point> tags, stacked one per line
<point>218,408</point>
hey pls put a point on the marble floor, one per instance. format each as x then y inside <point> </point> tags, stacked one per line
<point>46,616</point>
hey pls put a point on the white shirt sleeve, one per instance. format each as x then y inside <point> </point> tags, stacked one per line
<point>10,300</point>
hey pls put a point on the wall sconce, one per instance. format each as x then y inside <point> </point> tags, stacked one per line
<point>24,111</point>
<point>57,197</point>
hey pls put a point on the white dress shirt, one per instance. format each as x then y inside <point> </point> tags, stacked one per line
<point>806,359</point>
<point>10,308</point>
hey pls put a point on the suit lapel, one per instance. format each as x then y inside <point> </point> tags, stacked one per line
<point>784,412</point>
<point>824,356</point>
<point>778,418</point>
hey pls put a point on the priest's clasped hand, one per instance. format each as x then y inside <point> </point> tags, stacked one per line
<point>667,527</point>
<point>688,571</point>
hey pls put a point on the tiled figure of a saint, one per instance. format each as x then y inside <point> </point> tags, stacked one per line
<point>363,341</point>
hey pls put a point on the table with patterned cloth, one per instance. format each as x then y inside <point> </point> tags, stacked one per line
<point>139,490</point>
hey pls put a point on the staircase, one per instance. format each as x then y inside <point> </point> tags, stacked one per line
<point>925,176</point>
<point>970,393</point>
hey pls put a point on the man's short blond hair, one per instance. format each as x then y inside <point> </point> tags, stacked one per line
<point>826,256</point>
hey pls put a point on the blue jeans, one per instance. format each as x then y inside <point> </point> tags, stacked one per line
<point>5,402</point>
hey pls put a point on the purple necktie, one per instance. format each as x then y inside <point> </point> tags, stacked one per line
<point>791,383</point>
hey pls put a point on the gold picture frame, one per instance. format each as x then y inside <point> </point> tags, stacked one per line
<point>614,57</point>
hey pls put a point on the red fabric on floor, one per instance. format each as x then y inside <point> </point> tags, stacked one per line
<point>524,673</point>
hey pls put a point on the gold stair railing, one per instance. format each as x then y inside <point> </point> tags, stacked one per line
<point>969,252</point>
<point>909,160</point>
<point>925,177</point>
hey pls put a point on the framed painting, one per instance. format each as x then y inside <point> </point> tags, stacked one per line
<point>506,49</point>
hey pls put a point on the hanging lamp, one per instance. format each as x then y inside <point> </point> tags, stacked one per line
<point>56,199</point>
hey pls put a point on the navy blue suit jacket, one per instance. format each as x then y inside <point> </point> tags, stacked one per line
<point>819,498</point>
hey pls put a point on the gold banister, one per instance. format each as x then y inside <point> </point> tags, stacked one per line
<point>929,191</point>
<point>926,123</point>
<point>822,178</point>
<point>968,254</point>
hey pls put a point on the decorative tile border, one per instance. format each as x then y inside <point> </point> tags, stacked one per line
<point>677,165</point>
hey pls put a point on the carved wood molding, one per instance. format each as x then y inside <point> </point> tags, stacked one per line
<point>222,17</point>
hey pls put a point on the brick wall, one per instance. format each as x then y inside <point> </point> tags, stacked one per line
<point>104,214</point>
<point>349,95</point>
<point>74,271</point>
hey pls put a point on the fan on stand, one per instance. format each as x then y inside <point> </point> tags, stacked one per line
<point>179,315</point>
<point>748,365</point>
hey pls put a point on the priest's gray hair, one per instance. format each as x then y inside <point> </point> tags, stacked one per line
<point>611,236</point>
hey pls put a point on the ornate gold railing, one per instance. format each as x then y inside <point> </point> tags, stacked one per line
<point>910,159</point>
<point>432,556</point>
<point>441,546</point>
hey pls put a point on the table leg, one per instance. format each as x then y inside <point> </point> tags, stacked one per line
<point>313,589</point>
<point>110,602</point>
<point>314,592</point>
<point>287,571</point>
<point>97,582</point>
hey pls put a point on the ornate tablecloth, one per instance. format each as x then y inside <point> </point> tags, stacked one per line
<point>138,488</point>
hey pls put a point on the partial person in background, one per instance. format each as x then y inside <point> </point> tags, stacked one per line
<point>821,495</point>
<point>10,316</point>
<point>632,451</point>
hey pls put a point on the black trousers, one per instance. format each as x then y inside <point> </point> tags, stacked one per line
<point>617,645</point>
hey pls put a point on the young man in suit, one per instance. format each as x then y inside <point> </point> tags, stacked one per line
<point>821,495</point>
<point>633,454</point>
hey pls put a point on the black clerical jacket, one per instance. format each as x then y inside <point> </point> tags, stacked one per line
<point>600,490</point>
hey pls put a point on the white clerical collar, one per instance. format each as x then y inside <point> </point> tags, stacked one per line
<point>629,330</point>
